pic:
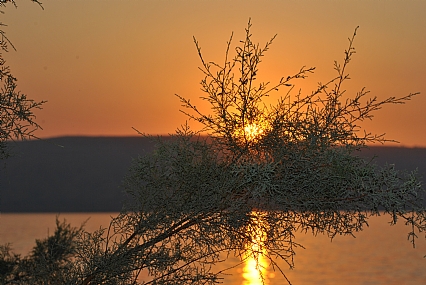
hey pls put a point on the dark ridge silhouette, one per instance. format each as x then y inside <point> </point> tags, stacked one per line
<point>86,173</point>
<point>68,174</point>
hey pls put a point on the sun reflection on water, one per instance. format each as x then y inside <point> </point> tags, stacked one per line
<point>255,265</point>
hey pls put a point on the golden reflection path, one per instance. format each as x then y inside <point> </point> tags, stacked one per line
<point>255,262</point>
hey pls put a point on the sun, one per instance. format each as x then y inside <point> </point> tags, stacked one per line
<point>252,131</point>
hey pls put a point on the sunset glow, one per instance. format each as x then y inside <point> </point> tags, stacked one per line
<point>99,85</point>
<point>252,131</point>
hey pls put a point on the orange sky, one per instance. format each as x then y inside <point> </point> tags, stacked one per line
<point>107,66</point>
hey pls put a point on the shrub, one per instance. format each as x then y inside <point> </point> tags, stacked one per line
<point>260,175</point>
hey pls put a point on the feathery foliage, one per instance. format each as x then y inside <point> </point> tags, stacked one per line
<point>48,263</point>
<point>273,170</point>
<point>16,109</point>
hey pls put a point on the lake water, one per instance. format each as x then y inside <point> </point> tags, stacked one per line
<point>380,254</point>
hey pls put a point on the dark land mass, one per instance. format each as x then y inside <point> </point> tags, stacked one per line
<point>84,174</point>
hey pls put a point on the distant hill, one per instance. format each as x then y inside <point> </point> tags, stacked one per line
<point>86,173</point>
<point>68,174</point>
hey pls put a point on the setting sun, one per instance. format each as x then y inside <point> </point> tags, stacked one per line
<point>252,131</point>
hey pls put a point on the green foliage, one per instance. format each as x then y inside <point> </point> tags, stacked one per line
<point>273,170</point>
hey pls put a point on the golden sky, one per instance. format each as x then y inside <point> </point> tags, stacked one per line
<point>107,66</point>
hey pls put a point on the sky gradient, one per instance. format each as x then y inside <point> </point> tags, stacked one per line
<point>107,66</point>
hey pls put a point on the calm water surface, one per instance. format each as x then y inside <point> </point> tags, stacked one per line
<point>380,254</point>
